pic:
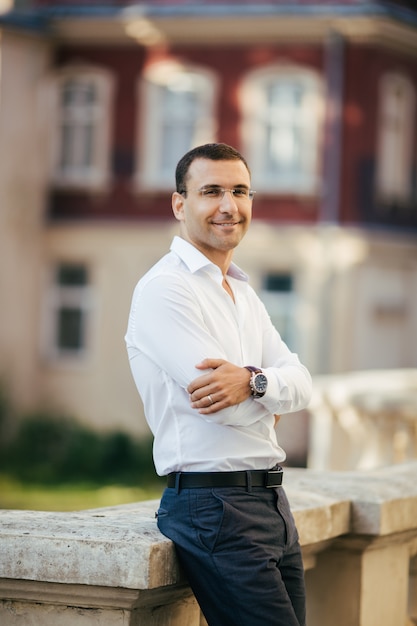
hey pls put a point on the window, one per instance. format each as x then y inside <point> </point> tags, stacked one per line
<point>177,113</point>
<point>68,311</point>
<point>282,120</point>
<point>278,296</point>
<point>81,145</point>
<point>395,139</point>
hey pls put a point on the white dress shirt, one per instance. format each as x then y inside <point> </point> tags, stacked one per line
<point>180,315</point>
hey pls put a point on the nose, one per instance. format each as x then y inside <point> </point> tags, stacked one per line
<point>228,202</point>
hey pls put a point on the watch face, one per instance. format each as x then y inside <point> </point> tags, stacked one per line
<point>260,383</point>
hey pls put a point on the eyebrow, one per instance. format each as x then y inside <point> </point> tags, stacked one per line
<point>238,186</point>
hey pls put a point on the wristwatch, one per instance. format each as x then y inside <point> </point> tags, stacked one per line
<point>258,382</point>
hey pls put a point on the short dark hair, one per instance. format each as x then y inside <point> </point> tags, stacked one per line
<point>212,151</point>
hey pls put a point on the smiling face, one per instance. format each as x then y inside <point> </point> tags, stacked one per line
<point>214,225</point>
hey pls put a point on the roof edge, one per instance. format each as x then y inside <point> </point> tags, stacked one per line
<point>41,20</point>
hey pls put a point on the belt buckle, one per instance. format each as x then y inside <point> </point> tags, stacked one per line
<point>271,476</point>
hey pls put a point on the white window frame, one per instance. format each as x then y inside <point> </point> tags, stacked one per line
<point>258,118</point>
<point>96,176</point>
<point>281,307</point>
<point>58,297</point>
<point>397,102</point>
<point>151,173</point>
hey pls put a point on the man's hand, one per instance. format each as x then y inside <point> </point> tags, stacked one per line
<point>225,385</point>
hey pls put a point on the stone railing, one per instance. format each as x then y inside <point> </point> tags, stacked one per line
<point>112,567</point>
<point>363,420</point>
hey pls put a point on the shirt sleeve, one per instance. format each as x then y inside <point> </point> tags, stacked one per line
<point>167,325</point>
<point>289,381</point>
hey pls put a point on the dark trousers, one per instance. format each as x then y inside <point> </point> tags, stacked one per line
<point>239,549</point>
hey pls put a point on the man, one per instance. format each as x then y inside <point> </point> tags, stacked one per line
<point>213,374</point>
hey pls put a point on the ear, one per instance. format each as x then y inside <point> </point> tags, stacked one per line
<point>178,206</point>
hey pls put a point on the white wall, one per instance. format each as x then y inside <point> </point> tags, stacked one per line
<point>22,183</point>
<point>332,308</point>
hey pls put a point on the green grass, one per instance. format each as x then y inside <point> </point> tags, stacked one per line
<point>70,497</point>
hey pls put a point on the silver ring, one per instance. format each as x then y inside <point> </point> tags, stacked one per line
<point>211,399</point>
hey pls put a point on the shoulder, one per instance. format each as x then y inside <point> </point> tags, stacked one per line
<point>167,277</point>
<point>168,267</point>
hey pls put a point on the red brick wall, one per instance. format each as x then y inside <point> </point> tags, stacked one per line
<point>231,65</point>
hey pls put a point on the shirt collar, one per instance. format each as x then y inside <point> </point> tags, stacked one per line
<point>196,260</point>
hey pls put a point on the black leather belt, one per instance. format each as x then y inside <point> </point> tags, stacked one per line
<point>250,478</point>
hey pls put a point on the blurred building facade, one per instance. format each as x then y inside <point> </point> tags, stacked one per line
<point>98,100</point>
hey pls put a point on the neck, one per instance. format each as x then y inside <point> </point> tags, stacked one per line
<point>221,258</point>
<point>227,288</point>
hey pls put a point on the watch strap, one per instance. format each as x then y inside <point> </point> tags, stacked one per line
<point>254,372</point>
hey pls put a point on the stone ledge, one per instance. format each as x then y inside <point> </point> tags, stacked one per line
<point>87,596</point>
<point>383,501</point>
<point>319,517</point>
<point>121,547</point>
<point>115,547</point>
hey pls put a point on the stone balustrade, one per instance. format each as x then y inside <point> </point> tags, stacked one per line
<point>111,566</point>
<point>363,420</point>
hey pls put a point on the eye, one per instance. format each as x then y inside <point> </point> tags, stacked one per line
<point>240,192</point>
<point>211,192</point>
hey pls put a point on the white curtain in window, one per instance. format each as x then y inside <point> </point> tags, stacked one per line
<point>282,119</point>
<point>395,138</point>
<point>177,113</point>
<point>79,118</point>
<point>81,110</point>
